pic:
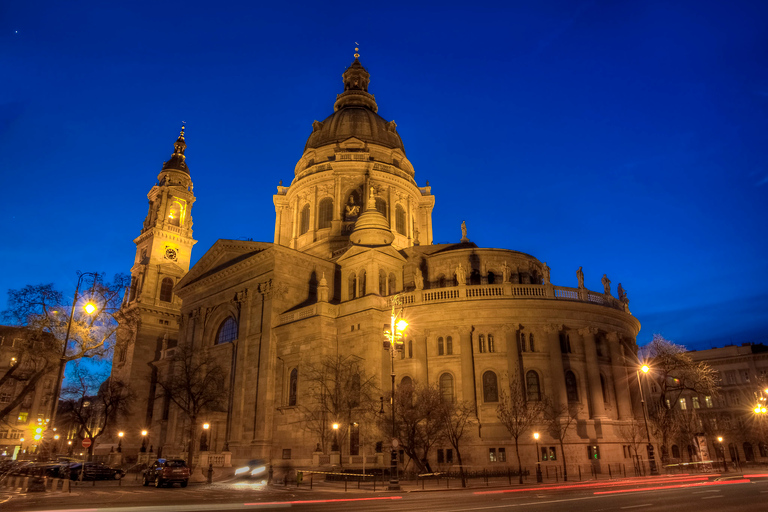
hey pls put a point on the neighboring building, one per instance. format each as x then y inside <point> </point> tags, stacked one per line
<point>743,372</point>
<point>353,229</point>
<point>17,430</point>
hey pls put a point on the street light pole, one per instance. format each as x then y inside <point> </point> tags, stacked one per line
<point>63,361</point>
<point>722,450</point>
<point>651,459</point>
<point>538,461</point>
<point>396,330</point>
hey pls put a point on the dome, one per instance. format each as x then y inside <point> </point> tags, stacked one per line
<point>355,116</point>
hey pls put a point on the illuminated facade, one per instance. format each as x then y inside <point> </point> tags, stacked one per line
<point>353,229</point>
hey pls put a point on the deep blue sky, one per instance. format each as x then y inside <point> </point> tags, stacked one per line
<point>625,137</point>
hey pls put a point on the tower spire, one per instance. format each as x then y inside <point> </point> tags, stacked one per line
<point>178,158</point>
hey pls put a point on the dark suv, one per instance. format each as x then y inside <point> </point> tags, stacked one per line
<point>167,471</point>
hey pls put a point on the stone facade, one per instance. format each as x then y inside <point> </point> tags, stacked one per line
<point>352,230</point>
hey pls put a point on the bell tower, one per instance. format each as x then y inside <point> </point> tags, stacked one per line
<point>151,314</point>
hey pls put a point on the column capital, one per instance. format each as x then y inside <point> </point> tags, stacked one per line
<point>588,330</point>
<point>512,327</point>
<point>613,337</point>
<point>464,330</point>
<point>553,328</point>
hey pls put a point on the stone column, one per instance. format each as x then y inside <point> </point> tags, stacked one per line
<point>556,363</point>
<point>620,380</point>
<point>597,401</point>
<point>466,377</point>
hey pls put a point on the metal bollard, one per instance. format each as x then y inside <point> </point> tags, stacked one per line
<point>209,477</point>
<point>610,476</point>
<point>579,473</point>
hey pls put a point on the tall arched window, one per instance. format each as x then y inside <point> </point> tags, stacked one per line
<point>361,284</point>
<point>602,388</point>
<point>381,206</point>
<point>491,346</point>
<point>749,453</point>
<point>392,284</point>
<point>571,387</point>
<point>530,341</point>
<point>227,331</point>
<point>491,278</point>
<point>440,346</point>
<point>352,286</point>
<point>675,451</point>
<point>304,220</point>
<point>382,282</point>
<point>449,346</point>
<point>410,349</point>
<point>490,387</point>
<point>325,213</point>
<point>532,386</point>
<point>406,382</point>
<point>441,281</point>
<point>565,343</point>
<point>400,219</point>
<point>446,387</point>
<point>166,289</point>
<point>522,342</point>
<point>481,343</point>
<point>292,385</point>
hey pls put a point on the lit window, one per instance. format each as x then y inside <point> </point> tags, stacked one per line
<point>492,454</point>
<point>708,401</point>
<point>696,404</point>
<point>683,404</point>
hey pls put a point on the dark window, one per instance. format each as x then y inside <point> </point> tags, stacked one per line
<point>440,456</point>
<point>361,284</point>
<point>449,456</point>
<point>491,278</point>
<point>449,346</point>
<point>446,387</point>
<point>565,343</point>
<point>490,387</point>
<point>392,284</point>
<point>530,341</point>
<point>763,449</point>
<point>481,343</point>
<point>502,455</point>
<point>440,346</point>
<point>304,221</point>
<point>410,349</point>
<point>749,454</point>
<point>571,387</point>
<point>381,206</point>
<point>227,331</point>
<point>354,439</point>
<point>602,388</point>
<point>134,285</point>
<point>544,453</point>
<point>382,283</point>
<point>293,382</point>
<point>406,382</point>
<point>166,289</point>
<point>286,453</point>
<point>400,219</point>
<point>491,346</point>
<point>325,213</point>
<point>352,287</point>
<point>522,342</point>
<point>552,453</point>
<point>532,386</point>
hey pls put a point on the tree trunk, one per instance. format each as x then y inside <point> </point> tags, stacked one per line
<point>519,464</point>
<point>191,447</point>
<point>565,467</point>
<point>461,469</point>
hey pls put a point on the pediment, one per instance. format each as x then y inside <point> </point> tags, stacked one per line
<point>354,144</point>
<point>357,253</point>
<point>222,255</point>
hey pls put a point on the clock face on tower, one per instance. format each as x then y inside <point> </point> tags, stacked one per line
<point>170,253</point>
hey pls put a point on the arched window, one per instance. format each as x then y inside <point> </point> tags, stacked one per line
<point>392,284</point>
<point>491,278</point>
<point>134,286</point>
<point>166,289</point>
<point>675,451</point>
<point>481,343</point>
<point>490,387</point>
<point>446,387</point>
<point>361,284</point>
<point>532,386</point>
<point>400,219</point>
<point>406,382</point>
<point>602,388</point>
<point>381,206</point>
<point>440,346</point>
<point>227,331</point>
<point>325,213</point>
<point>352,286</point>
<point>449,346</point>
<point>571,387</point>
<point>749,454</point>
<point>474,277</point>
<point>763,449</point>
<point>522,342</point>
<point>491,346</point>
<point>530,341</point>
<point>565,343</point>
<point>410,349</point>
<point>732,451</point>
<point>441,281</point>
<point>382,282</point>
<point>292,384</point>
<point>304,221</point>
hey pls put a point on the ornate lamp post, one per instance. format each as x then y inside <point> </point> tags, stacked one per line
<point>722,450</point>
<point>89,308</point>
<point>394,340</point>
<point>335,446</point>
<point>120,442</point>
<point>538,462</point>
<point>204,437</point>
<point>651,460</point>
<point>144,441</point>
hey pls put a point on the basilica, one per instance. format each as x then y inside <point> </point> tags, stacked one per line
<point>353,230</point>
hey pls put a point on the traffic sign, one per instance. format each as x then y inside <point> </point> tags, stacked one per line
<point>87,442</point>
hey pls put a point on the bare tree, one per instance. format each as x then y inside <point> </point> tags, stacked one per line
<point>40,311</point>
<point>94,414</point>
<point>196,386</point>
<point>560,418</point>
<point>517,414</point>
<point>456,417</point>
<point>419,421</point>
<point>338,390</point>
<point>675,373</point>
<point>633,433</point>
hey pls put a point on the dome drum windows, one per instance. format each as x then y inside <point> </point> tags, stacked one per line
<point>325,213</point>
<point>304,220</point>
<point>400,226</point>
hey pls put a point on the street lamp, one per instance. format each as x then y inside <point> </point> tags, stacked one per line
<point>90,308</point>
<point>144,441</point>
<point>204,437</point>
<point>651,461</point>
<point>538,462</point>
<point>120,442</point>
<point>395,337</point>
<point>335,446</point>
<point>722,450</point>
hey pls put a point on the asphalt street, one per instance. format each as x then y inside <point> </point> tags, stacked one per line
<point>694,493</point>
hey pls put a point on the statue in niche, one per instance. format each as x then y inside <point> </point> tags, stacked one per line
<point>580,277</point>
<point>352,209</point>
<point>504,272</point>
<point>461,275</point>
<point>546,273</point>
<point>606,284</point>
<point>419,279</point>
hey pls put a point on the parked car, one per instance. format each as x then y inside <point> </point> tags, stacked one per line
<point>167,471</point>
<point>92,471</point>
